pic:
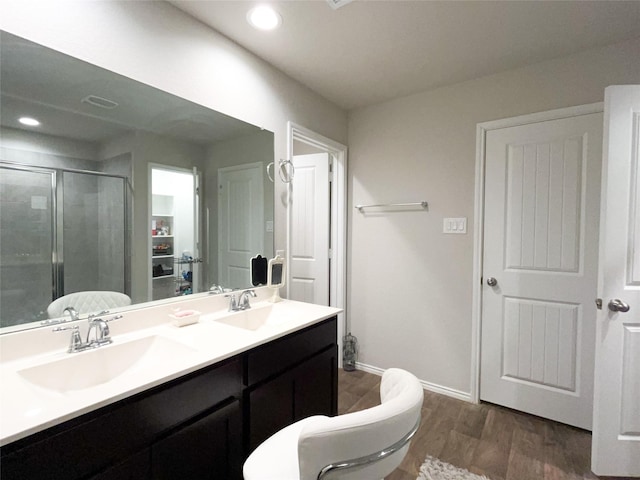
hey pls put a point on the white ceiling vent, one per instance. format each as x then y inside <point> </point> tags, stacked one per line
<point>99,102</point>
<point>336,4</point>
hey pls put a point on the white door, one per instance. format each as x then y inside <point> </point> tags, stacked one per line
<point>240,222</point>
<point>616,416</point>
<point>310,232</point>
<point>542,204</point>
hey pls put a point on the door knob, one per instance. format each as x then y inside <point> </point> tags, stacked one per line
<point>617,305</point>
<point>492,282</point>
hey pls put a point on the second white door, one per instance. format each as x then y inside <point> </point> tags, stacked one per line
<point>616,427</point>
<point>240,222</point>
<point>310,229</point>
<point>542,201</point>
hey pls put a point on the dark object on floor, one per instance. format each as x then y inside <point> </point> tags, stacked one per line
<point>349,352</point>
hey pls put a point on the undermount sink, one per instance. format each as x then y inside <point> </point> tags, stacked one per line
<point>254,318</point>
<point>78,371</point>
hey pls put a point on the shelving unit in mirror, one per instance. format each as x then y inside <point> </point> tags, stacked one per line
<point>162,247</point>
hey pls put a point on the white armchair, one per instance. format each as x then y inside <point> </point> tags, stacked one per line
<point>88,301</point>
<point>356,446</point>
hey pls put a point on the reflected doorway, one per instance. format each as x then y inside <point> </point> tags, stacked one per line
<point>304,142</point>
<point>175,257</point>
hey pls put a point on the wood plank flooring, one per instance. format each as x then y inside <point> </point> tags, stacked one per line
<point>486,439</point>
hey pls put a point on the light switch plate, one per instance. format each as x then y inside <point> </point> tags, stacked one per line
<point>454,225</point>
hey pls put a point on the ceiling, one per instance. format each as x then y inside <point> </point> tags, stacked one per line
<point>48,85</point>
<point>370,51</point>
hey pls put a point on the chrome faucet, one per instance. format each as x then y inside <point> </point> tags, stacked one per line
<point>101,333</point>
<point>73,313</point>
<point>243,301</point>
<point>101,336</point>
<point>73,316</point>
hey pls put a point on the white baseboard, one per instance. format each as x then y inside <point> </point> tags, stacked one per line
<point>432,387</point>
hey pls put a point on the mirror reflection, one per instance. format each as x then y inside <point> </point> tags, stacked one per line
<point>121,193</point>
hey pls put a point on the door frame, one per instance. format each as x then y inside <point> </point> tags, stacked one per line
<point>338,208</point>
<point>478,224</point>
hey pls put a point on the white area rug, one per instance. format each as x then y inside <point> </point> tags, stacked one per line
<point>434,469</point>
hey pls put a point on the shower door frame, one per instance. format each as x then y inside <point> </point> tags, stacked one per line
<point>57,217</point>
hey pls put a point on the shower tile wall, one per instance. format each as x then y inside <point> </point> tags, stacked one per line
<point>111,248</point>
<point>25,246</point>
<point>119,165</point>
<point>81,233</point>
<point>93,232</point>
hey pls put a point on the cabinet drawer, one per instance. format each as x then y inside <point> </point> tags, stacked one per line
<point>286,352</point>
<point>94,441</point>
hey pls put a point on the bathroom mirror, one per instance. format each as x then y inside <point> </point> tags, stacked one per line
<point>80,209</point>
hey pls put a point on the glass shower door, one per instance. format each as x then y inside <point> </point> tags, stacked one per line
<point>27,235</point>
<point>94,249</point>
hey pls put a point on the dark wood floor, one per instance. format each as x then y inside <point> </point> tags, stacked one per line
<point>485,439</point>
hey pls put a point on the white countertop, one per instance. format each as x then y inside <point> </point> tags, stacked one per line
<point>26,408</point>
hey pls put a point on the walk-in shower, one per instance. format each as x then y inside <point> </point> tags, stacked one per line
<point>61,231</point>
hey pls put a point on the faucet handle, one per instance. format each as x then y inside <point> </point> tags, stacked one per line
<point>75,345</point>
<point>92,316</point>
<point>68,327</point>
<point>233,304</point>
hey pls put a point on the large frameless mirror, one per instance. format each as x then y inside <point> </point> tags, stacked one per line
<point>122,194</point>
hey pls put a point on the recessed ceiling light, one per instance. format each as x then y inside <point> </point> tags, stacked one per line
<point>31,122</point>
<point>264,17</point>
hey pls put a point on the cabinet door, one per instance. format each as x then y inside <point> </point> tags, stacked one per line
<point>209,448</point>
<point>311,388</point>
<point>270,409</point>
<point>136,467</point>
<point>315,386</point>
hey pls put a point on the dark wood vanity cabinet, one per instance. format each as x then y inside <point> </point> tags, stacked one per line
<point>199,426</point>
<point>209,448</point>
<point>122,440</point>
<point>290,379</point>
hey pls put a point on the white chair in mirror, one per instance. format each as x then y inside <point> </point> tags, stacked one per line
<point>364,445</point>
<point>89,301</point>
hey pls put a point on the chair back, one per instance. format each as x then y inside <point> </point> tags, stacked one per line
<point>368,444</point>
<point>88,301</point>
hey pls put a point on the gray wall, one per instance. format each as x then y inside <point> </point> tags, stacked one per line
<point>411,308</point>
